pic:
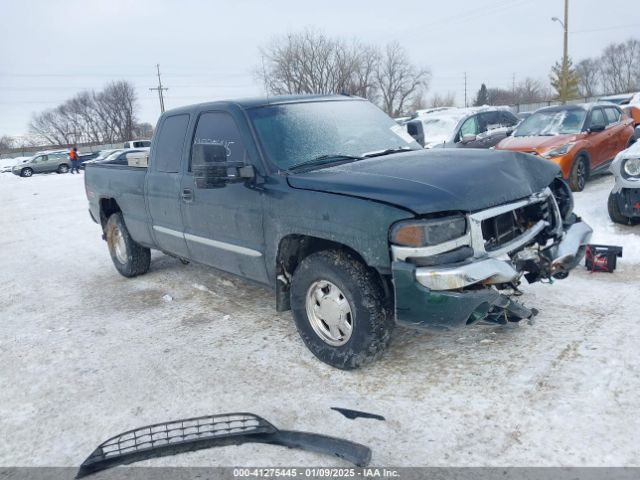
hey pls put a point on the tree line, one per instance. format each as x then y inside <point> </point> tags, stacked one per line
<point>93,117</point>
<point>311,62</point>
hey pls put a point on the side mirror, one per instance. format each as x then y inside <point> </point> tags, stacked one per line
<point>597,128</point>
<point>509,132</point>
<point>211,168</point>
<point>468,138</point>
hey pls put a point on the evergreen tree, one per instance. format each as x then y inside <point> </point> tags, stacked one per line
<point>482,98</point>
<point>564,80</point>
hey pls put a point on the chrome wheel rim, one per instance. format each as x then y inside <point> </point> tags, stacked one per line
<point>329,313</point>
<point>28,173</point>
<point>119,245</point>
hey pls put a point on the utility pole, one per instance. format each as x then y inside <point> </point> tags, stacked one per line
<point>160,89</point>
<point>564,85</point>
<point>565,49</point>
<point>465,89</point>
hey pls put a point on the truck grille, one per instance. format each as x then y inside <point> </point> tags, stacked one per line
<point>506,227</point>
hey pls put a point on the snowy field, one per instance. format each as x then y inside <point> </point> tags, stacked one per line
<point>86,354</point>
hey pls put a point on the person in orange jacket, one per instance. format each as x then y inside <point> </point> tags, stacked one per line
<point>75,161</point>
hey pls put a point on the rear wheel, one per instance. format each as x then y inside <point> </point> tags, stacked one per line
<point>340,309</point>
<point>64,168</point>
<point>129,257</point>
<point>579,173</point>
<point>26,172</point>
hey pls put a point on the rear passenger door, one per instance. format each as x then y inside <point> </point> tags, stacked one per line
<point>163,182</point>
<point>223,224</point>
<point>617,139</point>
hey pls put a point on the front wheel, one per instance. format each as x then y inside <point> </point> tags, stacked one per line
<point>579,174</point>
<point>129,257</point>
<point>340,309</point>
<point>26,172</point>
<point>614,211</point>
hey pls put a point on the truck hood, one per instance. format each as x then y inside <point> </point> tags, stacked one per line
<point>429,181</point>
<point>538,143</point>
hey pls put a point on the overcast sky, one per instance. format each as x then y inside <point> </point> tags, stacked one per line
<point>207,50</point>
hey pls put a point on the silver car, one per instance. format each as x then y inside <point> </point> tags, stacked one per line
<point>43,163</point>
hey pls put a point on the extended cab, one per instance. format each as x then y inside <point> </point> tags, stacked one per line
<point>333,205</point>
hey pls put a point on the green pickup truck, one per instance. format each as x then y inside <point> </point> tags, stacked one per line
<point>356,228</point>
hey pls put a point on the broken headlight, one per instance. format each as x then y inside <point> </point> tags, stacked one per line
<point>423,233</point>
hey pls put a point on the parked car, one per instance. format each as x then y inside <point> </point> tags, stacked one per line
<point>581,139</point>
<point>356,227</point>
<point>85,157</point>
<point>624,199</point>
<point>629,103</point>
<point>119,157</point>
<point>137,144</point>
<point>43,162</point>
<point>481,127</point>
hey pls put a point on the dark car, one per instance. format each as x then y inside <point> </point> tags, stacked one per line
<point>85,157</point>
<point>329,202</point>
<point>481,127</point>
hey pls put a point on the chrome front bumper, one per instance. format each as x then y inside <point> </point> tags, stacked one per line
<point>561,257</point>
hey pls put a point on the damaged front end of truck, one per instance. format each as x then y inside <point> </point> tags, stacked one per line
<point>460,268</point>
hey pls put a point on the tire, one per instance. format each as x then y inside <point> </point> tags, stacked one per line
<point>26,172</point>
<point>579,173</point>
<point>63,168</point>
<point>340,283</point>
<point>614,211</point>
<point>129,257</point>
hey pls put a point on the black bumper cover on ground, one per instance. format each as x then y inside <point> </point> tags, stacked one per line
<point>191,434</point>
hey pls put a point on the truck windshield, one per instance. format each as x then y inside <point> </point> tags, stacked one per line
<point>296,133</point>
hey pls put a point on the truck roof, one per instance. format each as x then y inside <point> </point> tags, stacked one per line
<point>254,102</point>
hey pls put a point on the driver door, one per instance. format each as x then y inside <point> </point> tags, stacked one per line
<point>223,221</point>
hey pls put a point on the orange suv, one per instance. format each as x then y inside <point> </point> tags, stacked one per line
<point>581,139</point>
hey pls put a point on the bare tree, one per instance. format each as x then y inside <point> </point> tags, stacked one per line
<point>620,67</point>
<point>589,77</point>
<point>6,143</point>
<point>310,62</point>
<point>530,90</point>
<point>106,116</point>
<point>438,100</point>
<point>142,130</point>
<point>398,80</point>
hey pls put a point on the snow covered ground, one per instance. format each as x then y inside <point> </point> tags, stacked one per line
<point>86,354</point>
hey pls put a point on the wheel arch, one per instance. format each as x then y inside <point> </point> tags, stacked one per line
<point>108,206</point>
<point>294,248</point>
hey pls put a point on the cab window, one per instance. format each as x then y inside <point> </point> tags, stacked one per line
<point>218,128</point>
<point>170,143</point>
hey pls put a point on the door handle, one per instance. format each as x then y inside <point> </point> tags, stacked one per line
<point>187,195</point>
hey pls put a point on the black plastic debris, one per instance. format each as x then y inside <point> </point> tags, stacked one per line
<point>601,258</point>
<point>179,436</point>
<point>352,414</point>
